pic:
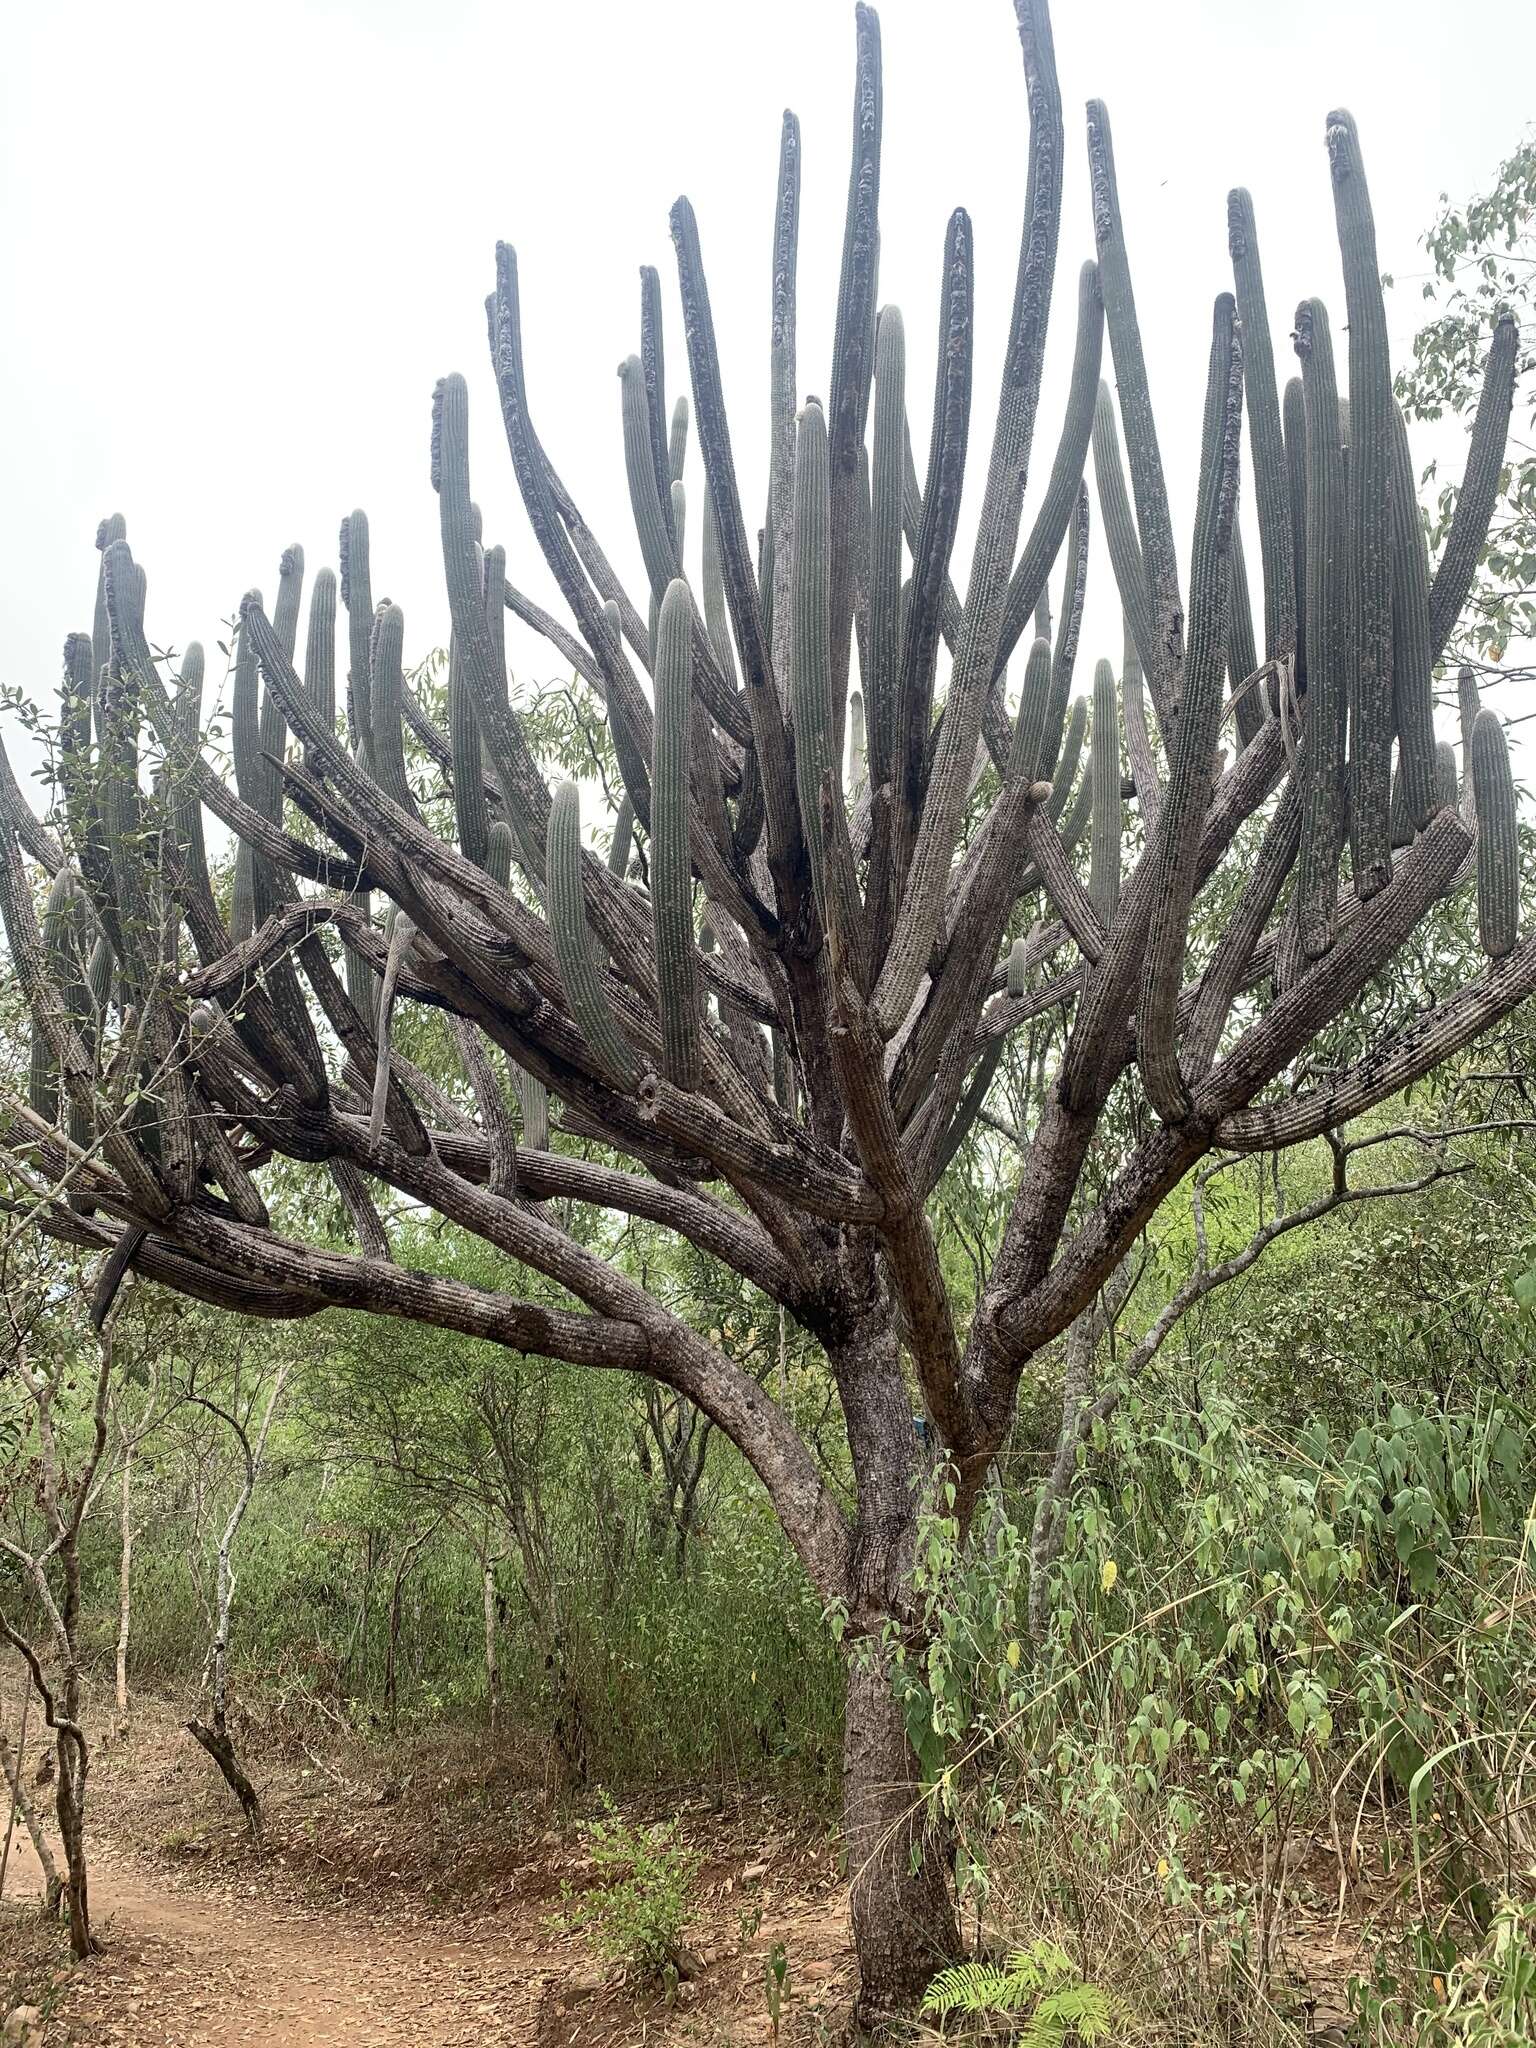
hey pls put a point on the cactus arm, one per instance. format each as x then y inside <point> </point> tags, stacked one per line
<point>1498,844</point>
<point>623,839</point>
<point>654,376</point>
<point>1412,666</point>
<point>1242,656</point>
<point>1271,486</point>
<point>887,481</point>
<point>320,646</point>
<point>658,546</point>
<point>810,594</point>
<point>1229,968</point>
<point>1120,530</point>
<point>997,531</point>
<point>1138,740</point>
<point>783,393</point>
<point>1176,855</point>
<point>671,867</point>
<point>1064,658</point>
<point>386,656</point>
<point>1029,726</point>
<point>1325,607</point>
<point>574,949</point>
<point>853,358</point>
<point>933,544</point>
<point>764,707</point>
<point>1293,413</point>
<point>1479,486</point>
<point>1027,587</point>
<point>1066,768</point>
<point>677,443</point>
<point>1368,497</point>
<point>716,624</point>
<point>1104,775</point>
<point>110,529</point>
<point>357,597</point>
<point>1445,776</point>
<point>1163,653</point>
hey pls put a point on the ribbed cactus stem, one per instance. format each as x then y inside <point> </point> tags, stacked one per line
<point>1498,845</point>
<point>242,899</point>
<point>1024,762</point>
<point>470,808</point>
<point>677,444</point>
<point>1445,776</point>
<point>716,624</point>
<point>1028,585</point>
<point>1368,495</point>
<point>1326,613</point>
<point>1120,527</point>
<point>62,924</point>
<point>1071,754</point>
<point>245,719</point>
<point>858,746</point>
<point>1018,968</point>
<point>1104,775</point>
<point>657,548</point>
<point>1068,631</point>
<point>886,479</point>
<point>1163,654</point>
<point>290,599</point>
<point>1469,704</point>
<point>1479,485</point>
<point>1242,655</point>
<point>357,596</point>
<point>402,932</point>
<point>1413,699</point>
<point>574,949</point>
<point>110,529</point>
<point>1187,797</point>
<point>1293,413</point>
<point>1266,440</point>
<point>677,971</point>
<point>622,843</point>
<point>386,656</point>
<point>320,646</point>
<point>679,496</point>
<point>810,648</point>
<point>654,373</point>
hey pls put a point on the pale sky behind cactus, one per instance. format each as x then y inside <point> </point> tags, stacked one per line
<point>240,244</point>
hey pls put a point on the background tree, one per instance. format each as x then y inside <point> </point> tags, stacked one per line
<point>1484,257</point>
<point>889,880</point>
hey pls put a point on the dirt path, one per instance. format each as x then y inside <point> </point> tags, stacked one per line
<point>216,1968</point>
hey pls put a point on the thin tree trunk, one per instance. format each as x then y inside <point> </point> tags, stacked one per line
<point>12,1763</point>
<point>125,1590</point>
<point>492,1667</point>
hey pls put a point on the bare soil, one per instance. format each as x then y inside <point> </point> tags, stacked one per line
<point>407,1894</point>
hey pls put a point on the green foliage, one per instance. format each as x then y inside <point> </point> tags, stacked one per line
<point>1425,1991</point>
<point>1484,257</point>
<point>1039,1988</point>
<point>640,1911</point>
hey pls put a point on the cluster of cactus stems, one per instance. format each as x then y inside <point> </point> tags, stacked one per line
<point>853,785</point>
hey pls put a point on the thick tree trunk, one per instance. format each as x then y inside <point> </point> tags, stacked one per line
<point>904,1925</point>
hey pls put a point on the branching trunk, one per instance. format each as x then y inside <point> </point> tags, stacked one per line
<point>214,1734</point>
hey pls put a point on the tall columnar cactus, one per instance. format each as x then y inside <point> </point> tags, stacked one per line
<point>858,878</point>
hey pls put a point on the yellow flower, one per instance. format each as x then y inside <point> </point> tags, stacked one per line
<point>1108,1575</point>
<point>1163,1866</point>
<point>1013,1653</point>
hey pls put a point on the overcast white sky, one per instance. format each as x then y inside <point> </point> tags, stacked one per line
<point>238,244</point>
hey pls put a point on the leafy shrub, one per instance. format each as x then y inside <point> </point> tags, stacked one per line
<point>638,1916</point>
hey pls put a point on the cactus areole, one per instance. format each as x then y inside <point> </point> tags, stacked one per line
<point>786,1093</point>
